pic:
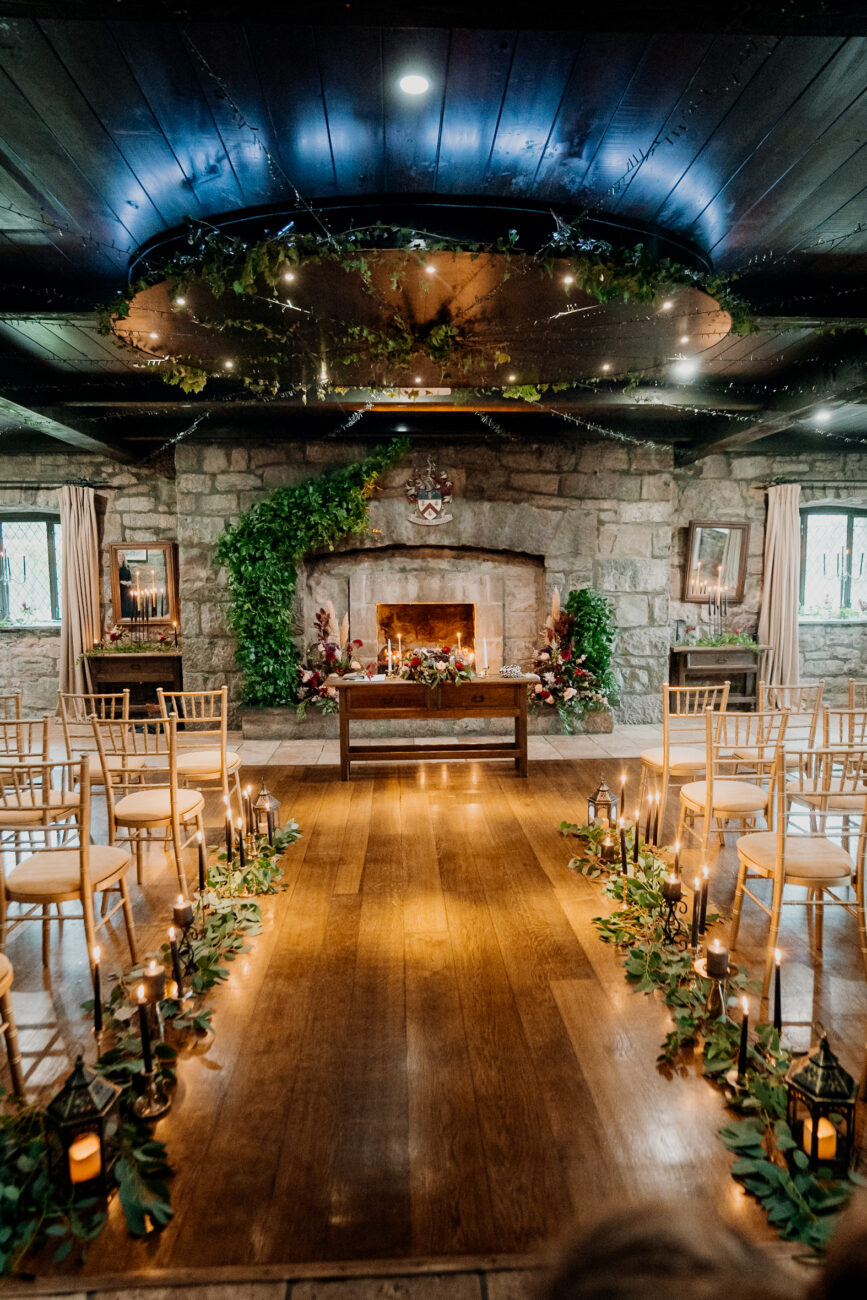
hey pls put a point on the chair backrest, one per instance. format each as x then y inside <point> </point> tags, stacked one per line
<point>844,728</point>
<point>76,711</point>
<point>803,701</point>
<point>32,799</point>
<point>743,746</point>
<point>811,781</point>
<point>684,709</point>
<point>202,716</point>
<point>857,693</point>
<point>10,705</point>
<point>25,737</point>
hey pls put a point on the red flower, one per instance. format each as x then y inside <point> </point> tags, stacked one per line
<point>445,650</point>
<point>415,662</point>
<point>544,695</point>
<point>459,665</point>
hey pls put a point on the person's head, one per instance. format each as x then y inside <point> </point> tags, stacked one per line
<point>845,1271</point>
<point>675,1251</point>
<point>121,559</point>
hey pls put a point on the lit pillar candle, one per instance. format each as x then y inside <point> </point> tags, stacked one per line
<point>459,645</point>
<point>672,888</point>
<point>154,981</point>
<point>705,887</point>
<point>717,961</point>
<point>826,1139</point>
<point>97,994</point>
<point>200,840</point>
<point>745,1029</point>
<point>177,973</point>
<point>182,912</point>
<point>85,1158</point>
<point>696,912</point>
<point>175,632</point>
<point>778,1005</point>
<point>241,854</point>
<point>144,1030</point>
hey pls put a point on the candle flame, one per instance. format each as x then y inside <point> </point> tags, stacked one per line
<point>199,836</point>
<point>696,884</point>
<point>180,901</point>
<point>153,968</point>
<point>171,934</point>
<point>623,778</point>
<point>677,846</point>
<point>778,956</point>
<point>705,871</point>
<point>746,1006</point>
<point>716,945</point>
<point>140,993</point>
<point>96,954</point>
<point>238,823</point>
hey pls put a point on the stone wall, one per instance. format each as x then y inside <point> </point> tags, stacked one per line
<point>604,514</point>
<point>134,503</point>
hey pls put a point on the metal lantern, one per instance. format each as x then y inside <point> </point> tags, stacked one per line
<point>602,805</point>
<point>821,1107</point>
<point>83,1126</point>
<point>266,810</point>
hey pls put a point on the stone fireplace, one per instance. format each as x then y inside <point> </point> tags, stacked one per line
<point>426,624</point>
<point>504,592</point>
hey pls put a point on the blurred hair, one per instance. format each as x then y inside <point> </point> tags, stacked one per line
<point>673,1251</point>
<point>845,1271</point>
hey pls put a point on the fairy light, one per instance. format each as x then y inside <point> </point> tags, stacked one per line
<point>228,365</point>
<point>288,276</point>
<point>430,269</point>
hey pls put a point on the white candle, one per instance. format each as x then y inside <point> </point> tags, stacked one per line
<point>85,1159</point>
<point>459,645</point>
<point>389,654</point>
<point>827,1139</point>
<point>400,648</point>
<point>485,651</point>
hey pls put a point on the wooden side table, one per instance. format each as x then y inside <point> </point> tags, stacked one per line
<point>142,673</point>
<point>709,665</point>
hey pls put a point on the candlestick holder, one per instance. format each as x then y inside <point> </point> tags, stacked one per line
<point>673,929</point>
<point>716,1005</point>
<point>153,1100</point>
<point>189,933</point>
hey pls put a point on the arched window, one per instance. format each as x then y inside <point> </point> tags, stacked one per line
<point>833,569</point>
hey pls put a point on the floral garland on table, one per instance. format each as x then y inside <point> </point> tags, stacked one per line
<point>332,653</point>
<point>433,667</point>
<point>34,1212</point>
<point>800,1204</point>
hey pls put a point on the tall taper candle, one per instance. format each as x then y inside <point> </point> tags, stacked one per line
<point>705,887</point>
<point>228,836</point>
<point>624,864</point>
<point>696,912</point>
<point>97,994</point>
<point>144,1030</point>
<point>622,804</point>
<point>677,857</point>
<point>177,973</point>
<point>636,834</point>
<point>742,1050</point>
<point>778,1005</point>
<point>656,801</point>
<point>241,852</point>
<point>201,843</point>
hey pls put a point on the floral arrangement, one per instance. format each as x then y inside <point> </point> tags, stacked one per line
<point>332,653</point>
<point>435,666</point>
<point>565,685</point>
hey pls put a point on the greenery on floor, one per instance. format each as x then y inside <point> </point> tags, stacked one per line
<point>35,1212</point>
<point>800,1205</point>
<point>262,553</point>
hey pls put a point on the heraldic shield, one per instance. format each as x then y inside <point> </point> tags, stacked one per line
<point>431,490</point>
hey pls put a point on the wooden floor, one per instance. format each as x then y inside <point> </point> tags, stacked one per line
<point>427,1052</point>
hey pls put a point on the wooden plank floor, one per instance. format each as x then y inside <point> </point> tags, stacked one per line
<point>427,1053</point>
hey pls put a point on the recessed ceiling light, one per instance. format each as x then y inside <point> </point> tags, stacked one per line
<point>685,368</point>
<point>606,365</point>
<point>180,302</point>
<point>413,83</point>
<point>400,428</point>
<point>228,365</point>
<point>289,275</point>
<point>822,416</point>
<point>667,305</point>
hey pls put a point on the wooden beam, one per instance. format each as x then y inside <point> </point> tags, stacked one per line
<point>37,422</point>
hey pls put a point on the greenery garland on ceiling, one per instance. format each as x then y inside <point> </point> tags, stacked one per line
<point>255,272</point>
<point>262,552</point>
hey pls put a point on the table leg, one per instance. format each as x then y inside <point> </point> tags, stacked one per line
<point>521,739</point>
<point>344,741</point>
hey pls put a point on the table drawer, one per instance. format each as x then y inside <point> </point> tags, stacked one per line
<point>412,695</point>
<point>738,660</point>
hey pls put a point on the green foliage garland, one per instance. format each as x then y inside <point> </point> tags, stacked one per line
<point>769,1162</point>
<point>34,1213</point>
<point>262,553</point>
<point>594,634</point>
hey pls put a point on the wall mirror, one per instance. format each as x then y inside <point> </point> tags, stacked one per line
<point>716,556</point>
<point>144,582</point>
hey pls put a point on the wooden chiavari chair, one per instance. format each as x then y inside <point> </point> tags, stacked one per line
<point>203,756</point>
<point>7,1026</point>
<point>683,754</point>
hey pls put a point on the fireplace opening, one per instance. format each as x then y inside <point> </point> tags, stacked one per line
<point>426,625</point>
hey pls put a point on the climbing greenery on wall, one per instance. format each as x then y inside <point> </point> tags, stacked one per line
<point>262,553</point>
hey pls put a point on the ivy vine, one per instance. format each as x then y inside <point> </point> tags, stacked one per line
<point>262,552</point>
<point>799,1203</point>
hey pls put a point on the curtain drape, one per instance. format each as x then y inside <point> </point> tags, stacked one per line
<point>80,622</point>
<point>778,619</point>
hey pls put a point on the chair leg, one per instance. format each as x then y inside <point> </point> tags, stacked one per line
<point>681,823</point>
<point>46,933</point>
<point>737,905</point>
<point>138,858</point>
<point>13,1051</point>
<point>127,919</point>
<point>179,861</point>
<point>819,898</point>
<point>642,782</point>
<point>774,931</point>
<point>89,926</point>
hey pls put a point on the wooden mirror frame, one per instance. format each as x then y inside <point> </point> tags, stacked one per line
<point>169,551</point>
<point>735,594</point>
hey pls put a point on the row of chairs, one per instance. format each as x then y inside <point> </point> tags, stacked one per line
<point>149,770</point>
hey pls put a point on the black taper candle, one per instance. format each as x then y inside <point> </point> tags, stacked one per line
<point>241,853</point>
<point>705,890</point>
<point>696,913</point>
<point>742,1050</point>
<point>624,864</point>
<point>201,839</point>
<point>778,1005</point>
<point>270,816</point>
<point>97,994</point>
<point>656,825</point>
<point>228,837</point>
<point>636,834</point>
<point>145,1031</point>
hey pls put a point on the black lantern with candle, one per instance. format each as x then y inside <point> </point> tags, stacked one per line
<point>266,812</point>
<point>602,806</point>
<point>83,1123</point>
<point>821,1108</point>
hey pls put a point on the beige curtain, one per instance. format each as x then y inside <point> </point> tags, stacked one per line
<point>80,624</point>
<point>778,619</point>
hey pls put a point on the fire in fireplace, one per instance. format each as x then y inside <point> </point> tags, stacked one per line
<point>425,624</point>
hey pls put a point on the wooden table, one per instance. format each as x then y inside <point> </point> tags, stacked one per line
<point>395,700</point>
<point>710,665</point>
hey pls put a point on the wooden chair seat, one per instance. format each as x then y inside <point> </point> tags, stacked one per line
<point>62,803</point>
<point>5,974</point>
<point>730,798</point>
<point>808,860</point>
<point>206,763</point>
<point>152,806</point>
<point>56,873</point>
<point>682,759</point>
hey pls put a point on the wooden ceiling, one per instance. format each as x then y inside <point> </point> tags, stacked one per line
<point>746,147</point>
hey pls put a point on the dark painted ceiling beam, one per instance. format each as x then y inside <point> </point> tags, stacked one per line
<point>39,422</point>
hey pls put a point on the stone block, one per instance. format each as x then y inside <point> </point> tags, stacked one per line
<point>657,487</point>
<point>239,458</point>
<point>633,611</point>
<point>133,505</point>
<point>644,512</point>
<point>217,503</point>
<point>602,456</point>
<point>624,539</point>
<point>234,481</point>
<point>752,467</point>
<point>651,459</point>
<point>138,527</point>
<point>615,575</point>
<point>214,460</point>
<point>547,484</point>
<point>194,482</point>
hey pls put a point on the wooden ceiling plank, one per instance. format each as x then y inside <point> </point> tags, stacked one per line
<point>352,90</point>
<point>412,122</point>
<point>164,68</point>
<point>478,73</point>
<point>51,428</point>
<point>699,204</point>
